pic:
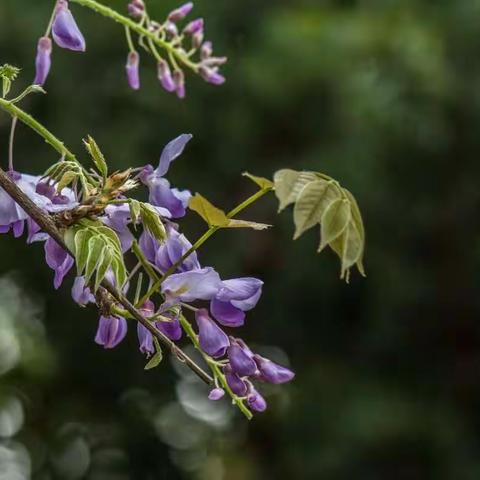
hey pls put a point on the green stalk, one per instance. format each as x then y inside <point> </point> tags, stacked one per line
<point>136,27</point>
<point>202,240</point>
<point>28,120</point>
<point>187,327</point>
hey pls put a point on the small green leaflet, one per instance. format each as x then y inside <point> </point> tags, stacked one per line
<point>263,183</point>
<point>157,357</point>
<point>218,218</point>
<point>211,214</point>
<point>97,156</point>
<point>151,219</point>
<point>8,74</point>
<point>320,200</point>
<point>97,249</point>
<point>67,172</point>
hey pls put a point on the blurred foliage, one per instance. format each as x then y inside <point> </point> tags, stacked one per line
<point>380,94</point>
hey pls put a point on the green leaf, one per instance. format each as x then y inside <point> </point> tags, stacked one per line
<point>8,74</point>
<point>96,247</point>
<point>288,185</point>
<point>247,224</point>
<point>103,267</point>
<point>263,183</point>
<point>335,219</point>
<point>119,271</point>
<point>135,209</point>
<point>156,358</point>
<point>211,214</point>
<point>81,248</point>
<point>152,221</point>
<point>357,219</point>
<point>66,180</point>
<point>96,155</point>
<point>312,201</point>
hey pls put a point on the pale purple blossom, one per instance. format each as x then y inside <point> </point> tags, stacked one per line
<point>58,260</point>
<point>201,284</point>
<point>43,60</point>
<point>132,68</point>
<point>164,75</point>
<point>81,293</point>
<point>111,331</point>
<point>216,394</point>
<point>211,337</point>
<point>272,372</point>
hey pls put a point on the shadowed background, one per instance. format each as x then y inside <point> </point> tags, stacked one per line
<point>384,96</point>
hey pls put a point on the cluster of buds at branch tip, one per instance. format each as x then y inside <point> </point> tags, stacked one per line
<point>182,45</point>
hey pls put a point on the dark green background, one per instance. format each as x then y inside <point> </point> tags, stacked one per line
<point>383,95</point>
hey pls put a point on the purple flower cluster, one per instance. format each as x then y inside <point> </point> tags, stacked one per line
<point>171,77</point>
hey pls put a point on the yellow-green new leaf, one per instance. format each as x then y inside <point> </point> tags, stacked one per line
<point>211,214</point>
<point>263,183</point>
<point>247,224</point>
<point>97,156</point>
<point>152,221</point>
<point>312,201</point>
<point>289,183</point>
<point>81,248</point>
<point>357,219</point>
<point>103,266</point>
<point>335,219</point>
<point>157,357</point>
<point>135,210</point>
<point>96,246</point>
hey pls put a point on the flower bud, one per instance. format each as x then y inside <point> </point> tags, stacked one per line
<point>181,12</point>
<point>212,338</point>
<point>171,29</point>
<point>165,76</point>
<point>136,9</point>
<point>272,372</point>
<point>145,340</point>
<point>81,293</point>
<point>241,363</point>
<point>255,401</point>
<point>236,384</point>
<point>179,82</point>
<point>132,67</point>
<point>43,60</point>
<point>171,328</point>
<point>65,30</point>
<point>206,50</point>
<point>216,394</point>
<point>211,75</point>
<point>193,27</point>
<point>197,40</point>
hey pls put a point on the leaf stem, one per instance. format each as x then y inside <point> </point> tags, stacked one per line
<point>138,28</point>
<point>202,240</point>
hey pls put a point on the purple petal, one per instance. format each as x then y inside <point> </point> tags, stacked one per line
<point>179,81</point>
<point>65,30</point>
<point>148,245</point>
<point>132,67</point>
<point>58,260</point>
<point>199,284</point>
<point>193,27</point>
<point>216,394</point>
<point>255,401</point>
<point>111,331</point>
<point>236,384</point>
<point>212,338</point>
<point>170,252</point>
<point>242,364</point>
<point>165,77</point>
<point>43,60</point>
<point>244,293</point>
<point>226,314</point>
<point>172,151</point>
<point>272,372</point>
<point>161,195</point>
<point>171,329</point>
<point>145,340</point>
<point>212,76</point>
<point>181,12</point>
<point>81,294</point>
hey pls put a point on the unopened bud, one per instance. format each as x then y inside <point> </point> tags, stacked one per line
<point>132,67</point>
<point>181,12</point>
<point>179,81</point>
<point>43,60</point>
<point>193,27</point>
<point>165,76</point>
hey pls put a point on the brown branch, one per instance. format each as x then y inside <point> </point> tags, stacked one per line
<point>46,223</point>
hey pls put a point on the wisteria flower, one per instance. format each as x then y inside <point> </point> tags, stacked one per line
<point>255,401</point>
<point>202,284</point>
<point>161,195</point>
<point>111,331</point>
<point>212,338</point>
<point>241,360</point>
<point>272,372</point>
<point>65,30</point>
<point>234,298</point>
<point>81,293</point>
<point>43,60</point>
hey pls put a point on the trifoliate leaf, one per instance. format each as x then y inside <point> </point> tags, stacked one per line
<point>97,156</point>
<point>247,224</point>
<point>152,221</point>
<point>312,201</point>
<point>211,214</point>
<point>335,219</point>
<point>263,183</point>
<point>289,183</point>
